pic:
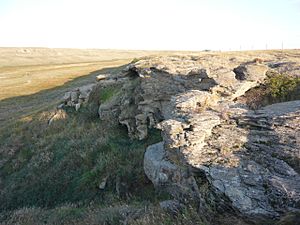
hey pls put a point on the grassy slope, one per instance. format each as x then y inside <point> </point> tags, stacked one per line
<point>51,174</point>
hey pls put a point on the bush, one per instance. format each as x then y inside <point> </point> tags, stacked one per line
<point>135,60</point>
<point>277,88</point>
<point>283,87</point>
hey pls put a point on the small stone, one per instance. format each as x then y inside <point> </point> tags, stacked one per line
<point>77,106</point>
<point>67,96</point>
<point>60,106</point>
<point>101,77</point>
<point>171,206</point>
<point>103,183</point>
<point>74,96</point>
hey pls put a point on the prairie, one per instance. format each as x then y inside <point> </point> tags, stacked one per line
<point>51,174</point>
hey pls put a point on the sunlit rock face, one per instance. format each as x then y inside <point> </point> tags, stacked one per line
<point>215,152</point>
<point>248,158</point>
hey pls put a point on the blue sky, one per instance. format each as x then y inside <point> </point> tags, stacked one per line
<point>154,24</point>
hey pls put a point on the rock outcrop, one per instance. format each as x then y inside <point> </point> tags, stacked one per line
<point>248,159</point>
<point>77,97</point>
<point>215,153</point>
<point>155,81</point>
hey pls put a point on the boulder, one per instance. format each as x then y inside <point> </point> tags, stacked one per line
<point>156,167</point>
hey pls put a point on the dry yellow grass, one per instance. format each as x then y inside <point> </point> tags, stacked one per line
<point>26,80</point>
<point>34,78</point>
<point>42,75</point>
<point>45,168</point>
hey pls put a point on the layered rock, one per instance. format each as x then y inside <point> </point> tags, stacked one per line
<point>247,160</point>
<point>77,97</point>
<point>239,153</point>
<point>154,82</point>
<point>256,159</point>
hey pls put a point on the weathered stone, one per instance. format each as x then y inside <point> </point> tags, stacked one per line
<point>250,72</point>
<point>77,106</point>
<point>67,96</point>
<point>171,206</point>
<point>77,97</point>
<point>250,160</point>
<point>101,77</point>
<point>156,167</point>
<point>103,183</point>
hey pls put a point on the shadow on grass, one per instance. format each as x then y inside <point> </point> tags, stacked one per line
<point>47,166</point>
<point>16,107</point>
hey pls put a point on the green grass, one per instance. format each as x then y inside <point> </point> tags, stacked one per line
<point>51,174</point>
<point>107,93</point>
<point>277,88</point>
<point>66,161</point>
<point>116,214</point>
<point>283,87</point>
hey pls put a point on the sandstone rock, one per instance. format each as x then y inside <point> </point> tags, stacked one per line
<point>74,96</point>
<point>67,96</point>
<point>248,160</point>
<point>77,97</point>
<point>158,79</point>
<point>250,72</point>
<point>168,176</point>
<point>156,167</point>
<point>101,77</point>
<point>251,172</point>
<point>242,163</point>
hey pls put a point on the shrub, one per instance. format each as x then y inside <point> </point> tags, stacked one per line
<point>135,60</point>
<point>277,88</point>
<point>283,87</point>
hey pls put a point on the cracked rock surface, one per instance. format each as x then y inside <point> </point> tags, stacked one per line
<point>251,158</point>
<point>248,160</point>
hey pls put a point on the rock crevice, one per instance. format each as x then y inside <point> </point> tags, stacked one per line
<point>249,160</point>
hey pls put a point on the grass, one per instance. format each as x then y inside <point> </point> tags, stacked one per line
<point>107,93</point>
<point>94,215</point>
<point>51,174</point>
<point>51,163</point>
<point>277,88</point>
<point>283,87</point>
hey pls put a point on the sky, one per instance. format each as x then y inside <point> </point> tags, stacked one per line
<point>151,24</point>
